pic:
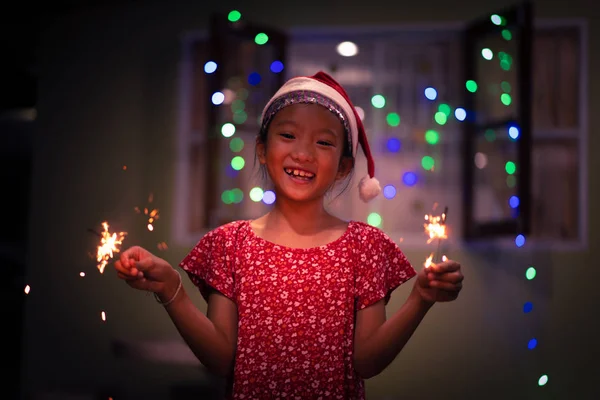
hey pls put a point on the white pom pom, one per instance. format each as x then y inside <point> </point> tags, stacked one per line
<point>368,188</point>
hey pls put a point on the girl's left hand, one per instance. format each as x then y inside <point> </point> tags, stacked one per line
<point>440,282</point>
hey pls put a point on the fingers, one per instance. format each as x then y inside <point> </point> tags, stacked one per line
<point>447,286</point>
<point>446,266</point>
<point>122,270</point>
<point>452,277</point>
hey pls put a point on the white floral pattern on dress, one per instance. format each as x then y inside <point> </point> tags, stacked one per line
<point>297,306</point>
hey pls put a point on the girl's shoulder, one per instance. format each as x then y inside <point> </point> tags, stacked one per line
<point>367,231</point>
<point>230,230</point>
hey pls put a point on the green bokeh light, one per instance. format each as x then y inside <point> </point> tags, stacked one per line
<point>374,219</point>
<point>440,118</point>
<point>506,34</point>
<point>239,117</point>
<point>256,194</point>
<point>234,16</point>
<point>261,38</point>
<point>510,167</point>
<point>511,181</point>
<point>432,137</point>
<point>445,108</point>
<point>427,163</point>
<point>236,144</point>
<point>471,86</point>
<point>378,101</point>
<point>530,273</point>
<point>393,119</point>
<point>490,135</point>
<point>505,99</point>
<point>238,163</point>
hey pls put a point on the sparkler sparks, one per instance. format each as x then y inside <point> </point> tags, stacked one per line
<point>109,244</point>
<point>153,214</point>
<point>435,228</point>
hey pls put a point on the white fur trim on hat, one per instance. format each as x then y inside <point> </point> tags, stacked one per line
<point>307,83</point>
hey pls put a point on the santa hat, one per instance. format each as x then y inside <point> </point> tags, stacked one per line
<point>322,89</point>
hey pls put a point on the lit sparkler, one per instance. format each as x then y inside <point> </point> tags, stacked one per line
<point>109,244</point>
<point>435,228</point>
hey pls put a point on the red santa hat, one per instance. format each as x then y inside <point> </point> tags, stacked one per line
<point>322,89</point>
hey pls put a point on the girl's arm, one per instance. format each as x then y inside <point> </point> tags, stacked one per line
<point>377,341</point>
<point>212,337</point>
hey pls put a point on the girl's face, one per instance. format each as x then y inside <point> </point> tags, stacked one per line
<point>303,150</point>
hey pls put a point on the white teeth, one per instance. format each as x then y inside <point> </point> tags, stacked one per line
<point>296,172</point>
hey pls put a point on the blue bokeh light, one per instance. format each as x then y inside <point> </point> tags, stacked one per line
<point>393,145</point>
<point>460,114</point>
<point>217,98</point>
<point>520,240</point>
<point>532,344</point>
<point>254,78</point>
<point>389,191</point>
<point>527,307</point>
<point>409,178</point>
<point>268,197</point>
<point>210,67</point>
<point>513,201</point>
<point>276,67</point>
<point>431,93</point>
<point>513,132</point>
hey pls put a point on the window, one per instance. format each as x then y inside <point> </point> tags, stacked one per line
<point>417,156</point>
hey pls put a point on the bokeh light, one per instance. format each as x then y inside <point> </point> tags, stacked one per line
<point>276,67</point>
<point>389,191</point>
<point>543,380</point>
<point>256,194</point>
<point>460,114</point>
<point>228,129</point>
<point>427,162</point>
<point>510,167</point>
<point>347,49</point>
<point>432,137</point>
<point>268,197</point>
<point>374,219</point>
<point>430,93</point>
<point>238,163</point>
<point>217,98</point>
<point>513,201</point>
<point>236,144</point>
<point>409,178</point>
<point>378,101</point>
<point>471,86</point>
<point>440,117</point>
<point>261,39</point>
<point>527,307</point>
<point>532,344</point>
<point>234,16</point>
<point>254,78</point>
<point>520,240</point>
<point>393,145</point>
<point>393,119</point>
<point>210,67</point>
<point>530,273</point>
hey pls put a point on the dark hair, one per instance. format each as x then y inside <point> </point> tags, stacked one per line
<point>346,153</point>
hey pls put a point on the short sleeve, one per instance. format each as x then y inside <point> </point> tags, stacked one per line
<point>382,267</point>
<point>210,263</point>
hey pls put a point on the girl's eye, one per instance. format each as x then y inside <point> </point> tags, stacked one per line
<point>287,135</point>
<point>325,143</point>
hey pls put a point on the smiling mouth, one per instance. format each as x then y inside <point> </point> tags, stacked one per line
<point>299,174</point>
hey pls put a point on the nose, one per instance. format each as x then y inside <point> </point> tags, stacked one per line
<point>303,152</point>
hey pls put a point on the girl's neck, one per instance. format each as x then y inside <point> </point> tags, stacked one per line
<point>302,219</point>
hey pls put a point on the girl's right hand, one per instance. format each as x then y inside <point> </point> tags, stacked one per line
<point>144,271</point>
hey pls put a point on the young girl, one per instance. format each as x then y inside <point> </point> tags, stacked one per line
<point>296,298</point>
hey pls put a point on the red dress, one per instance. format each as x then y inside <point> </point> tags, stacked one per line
<point>297,307</point>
